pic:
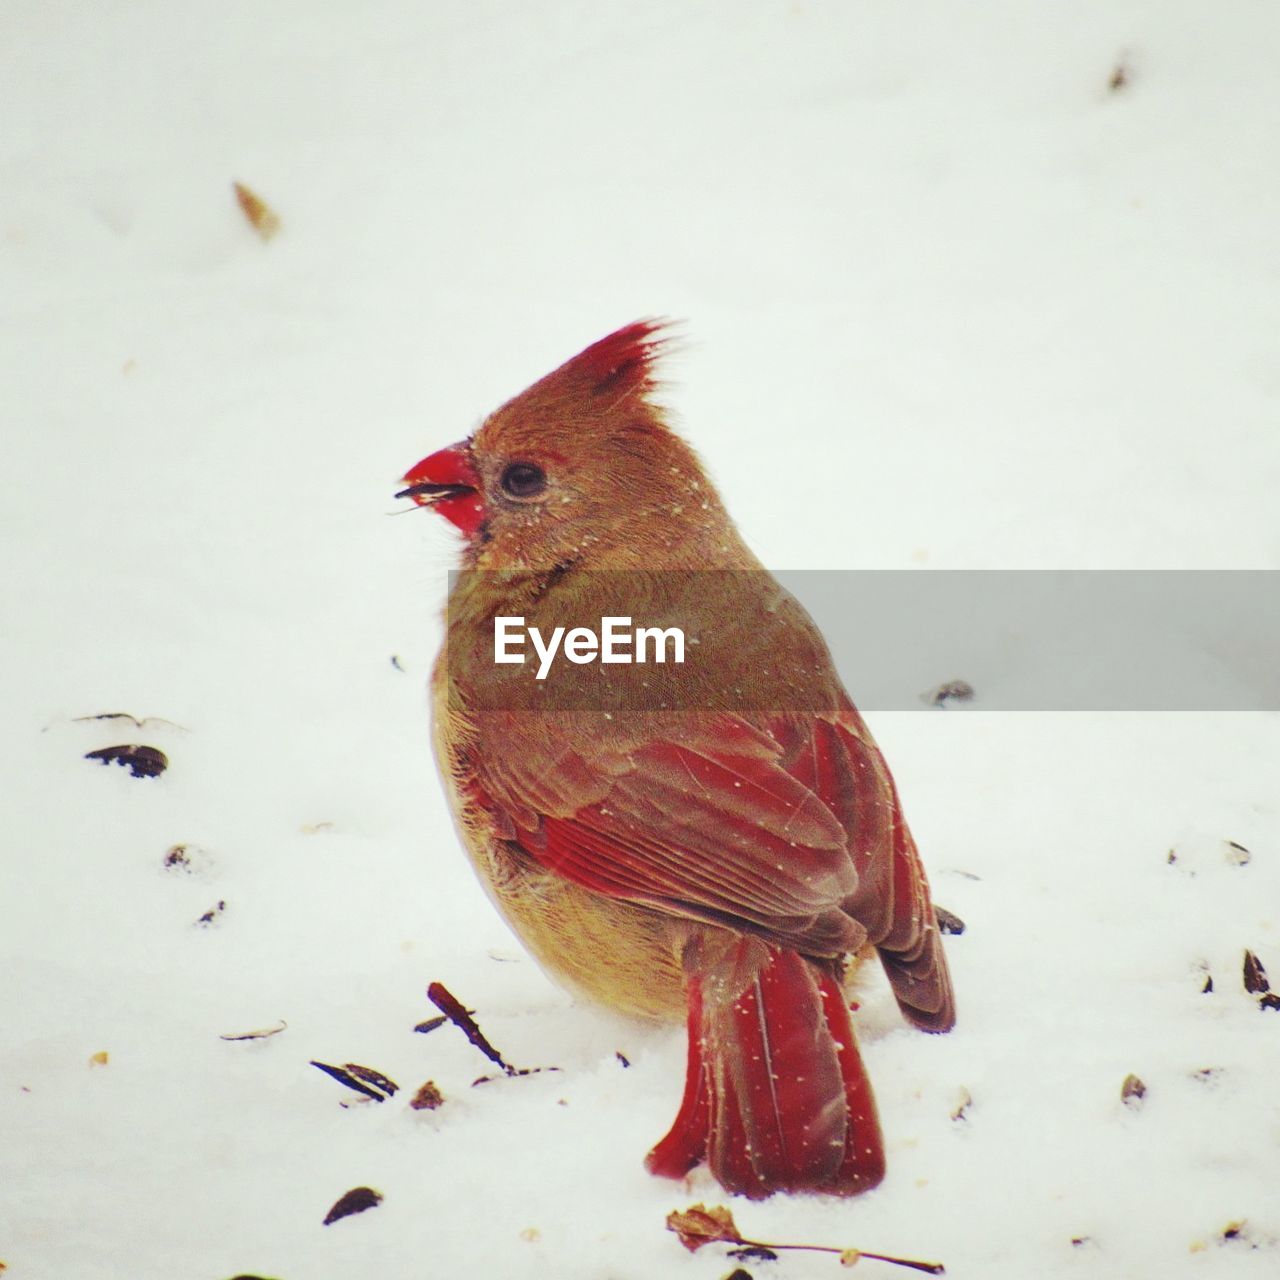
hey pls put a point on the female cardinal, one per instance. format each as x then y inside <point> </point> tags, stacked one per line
<point>716,840</point>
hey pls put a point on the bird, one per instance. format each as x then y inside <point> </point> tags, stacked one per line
<point>718,842</point>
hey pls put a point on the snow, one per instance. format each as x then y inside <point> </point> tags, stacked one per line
<point>951,302</point>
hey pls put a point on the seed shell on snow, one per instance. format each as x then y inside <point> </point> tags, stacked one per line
<point>357,1200</point>
<point>373,1084</point>
<point>141,761</point>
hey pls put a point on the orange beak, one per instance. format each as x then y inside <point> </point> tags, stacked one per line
<point>448,481</point>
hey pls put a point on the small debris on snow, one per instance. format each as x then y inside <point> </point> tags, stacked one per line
<point>622,1058</point>
<point>948,921</point>
<point>133,720</point>
<point>357,1200</point>
<point>432,1023</point>
<point>1132,1091</point>
<point>1236,854</point>
<point>188,858</point>
<point>373,1084</point>
<point>1244,1234</point>
<point>752,1253</point>
<point>100,1059</point>
<point>258,213</point>
<point>261,1034</point>
<point>428,1097</point>
<point>461,1017</point>
<point>212,914</point>
<point>964,1100</point>
<point>141,761</point>
<point>1255,983</point>
<point>1255,976</point>
<point>176,856</point>
<point>950,691</point>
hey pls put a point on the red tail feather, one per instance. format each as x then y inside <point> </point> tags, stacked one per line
<point>686,1143</point>
<point>776,1097</point>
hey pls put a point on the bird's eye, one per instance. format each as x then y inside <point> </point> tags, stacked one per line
<point>523,480</point>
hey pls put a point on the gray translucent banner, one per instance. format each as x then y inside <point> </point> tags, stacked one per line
<point>911,640</point>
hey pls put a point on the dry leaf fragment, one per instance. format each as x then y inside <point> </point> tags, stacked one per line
<point>948,921</point>
<point>142,762</point>
<point>428,1097</point>
<point>99,1059</point>
<point>261,216</point>
<point>261,1034</point>
<point>357,1200</point>
<point>1132,1091</point>
<point>699,1225</point>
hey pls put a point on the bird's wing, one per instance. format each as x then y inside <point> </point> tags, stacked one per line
<point>837,759</point>
<point>788,827</point>
<point>702,820</point>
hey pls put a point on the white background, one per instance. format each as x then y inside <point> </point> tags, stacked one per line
<point>950,302</point>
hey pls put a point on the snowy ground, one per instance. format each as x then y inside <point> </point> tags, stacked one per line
<point>974,306</point>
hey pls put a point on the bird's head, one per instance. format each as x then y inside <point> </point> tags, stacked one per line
<point>579,469</point>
